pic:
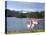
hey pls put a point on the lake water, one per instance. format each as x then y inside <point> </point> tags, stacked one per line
<point>13,24</point>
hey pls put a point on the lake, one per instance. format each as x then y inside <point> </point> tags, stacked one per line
<point>13,24</point>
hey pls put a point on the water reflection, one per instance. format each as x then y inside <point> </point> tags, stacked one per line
<point>13,24</point>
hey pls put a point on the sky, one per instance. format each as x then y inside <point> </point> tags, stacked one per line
<point>27,6</point>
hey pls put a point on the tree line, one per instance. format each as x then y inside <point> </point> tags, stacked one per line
<point>17,14</point>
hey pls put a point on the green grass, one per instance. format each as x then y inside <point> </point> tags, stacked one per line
<point>26,31</point>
